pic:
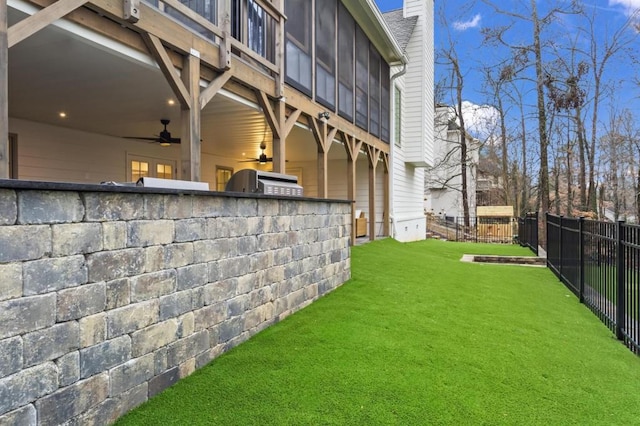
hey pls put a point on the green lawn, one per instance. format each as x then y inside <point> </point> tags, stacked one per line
<point>417,337</point>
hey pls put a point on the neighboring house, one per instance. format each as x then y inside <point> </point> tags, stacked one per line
<point>443,183</point>
<point>413,146</point>
<point>313,95</point>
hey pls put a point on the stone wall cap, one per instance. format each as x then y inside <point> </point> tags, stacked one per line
<point>84,187</point>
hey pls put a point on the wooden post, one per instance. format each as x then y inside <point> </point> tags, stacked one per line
<point>190,144</point>
<point>4,86</point>
<point>279,139</point>
<point>372,195</point>
<point>279,57</point>
<point>386,196</point>
<point>324,139</point>
<point>352,146</point>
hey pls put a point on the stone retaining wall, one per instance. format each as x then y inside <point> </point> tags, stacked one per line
<point>107,298</point>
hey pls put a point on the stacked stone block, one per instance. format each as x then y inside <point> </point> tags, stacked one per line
<point>108,298</point>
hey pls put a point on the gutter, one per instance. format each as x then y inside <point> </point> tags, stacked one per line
<point>400,73</point>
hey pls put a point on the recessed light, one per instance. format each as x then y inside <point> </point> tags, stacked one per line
<point>171,102</point>
<point>63,114</point>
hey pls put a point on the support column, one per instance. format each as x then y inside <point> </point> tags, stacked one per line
<point>280,126</point>
<point>190,143</point>
<point>324,139</point>
<point>4,87</point>
<point>279,139</point>
<point>386,224</point>
<point>374,155</point>
<point>352,146</point>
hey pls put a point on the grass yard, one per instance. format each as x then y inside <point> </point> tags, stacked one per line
<point>417,337</point>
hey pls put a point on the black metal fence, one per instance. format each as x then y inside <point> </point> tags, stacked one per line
<point>528,231</point>
<point>600,263</point>
<point>479,230</point>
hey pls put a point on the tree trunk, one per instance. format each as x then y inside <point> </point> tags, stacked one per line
<point>505,157</point>
<point>582,175</point>
<point>463,146</point>
<point>543,181</point>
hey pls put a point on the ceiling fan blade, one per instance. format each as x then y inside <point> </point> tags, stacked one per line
<point>251,160</point>
<point>141,138</point>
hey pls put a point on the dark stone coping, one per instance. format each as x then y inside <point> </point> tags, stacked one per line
<point>84,187</point>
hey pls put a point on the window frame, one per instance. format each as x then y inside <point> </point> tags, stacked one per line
<point>397,116</point>
<point>222,168</point>
<point>153,164</point>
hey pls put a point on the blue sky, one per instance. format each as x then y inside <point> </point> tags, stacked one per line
<point>466,19</point>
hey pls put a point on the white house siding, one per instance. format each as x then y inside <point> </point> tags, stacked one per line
<point>417,126</point>
<point>419,80</point>
<point>441,201</point>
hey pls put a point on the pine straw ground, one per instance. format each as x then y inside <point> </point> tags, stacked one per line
<point>417,337</point>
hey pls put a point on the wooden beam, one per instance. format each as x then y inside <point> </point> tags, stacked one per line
<point>269,113</point>
<point>319,130</point>
<point>297,100</point>
<point>280,140</point>
<point>386,196</point>
<point>224,21</point>
<point>291,121</point>
<point>34,23</point>
<point>374,155</point>
<point>214,86</point>
<point>351,144</point>
<point>4,99</point>
<point>190,143</point>
<point>159,53</point>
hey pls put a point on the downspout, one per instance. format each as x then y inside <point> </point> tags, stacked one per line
<point>391,160</point>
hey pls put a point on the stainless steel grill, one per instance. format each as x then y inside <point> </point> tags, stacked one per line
<point>259,182</point>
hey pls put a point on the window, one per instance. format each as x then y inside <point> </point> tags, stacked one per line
<point>374,91</point>
<point>223,174</point>
<point>140,166</point>
<point>346,37</point>
<point>397,116</point>
<point>362,79</point>
<point>13,156</point>
<point>298,45</point>
<point>164,171</point>
<point>385,102</point>
<point>326,52</point>
<point>139,169</point>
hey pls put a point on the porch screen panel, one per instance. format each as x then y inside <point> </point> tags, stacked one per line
<point>385,102</point>
<point>374,91</point>
<point>258,30</point>
<point>298,45</point>
<point>346,38</point>
<point>326,52</point>
<point>362,79</point>
<point>208,9</point>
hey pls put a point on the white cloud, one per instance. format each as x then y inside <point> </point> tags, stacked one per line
<point>481,121</point>
<point>473,23</point>
<point>630,6</point>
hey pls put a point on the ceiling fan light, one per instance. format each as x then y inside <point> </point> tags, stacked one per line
<point>164,143</point>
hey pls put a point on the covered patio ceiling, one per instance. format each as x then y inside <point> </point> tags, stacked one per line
<point>108,88</point>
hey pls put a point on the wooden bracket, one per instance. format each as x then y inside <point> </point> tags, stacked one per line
<point>34,23</point>
<point>159,53</point>
<point>214,86</point>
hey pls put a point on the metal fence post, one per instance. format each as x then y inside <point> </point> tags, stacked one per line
<point>620,302</point>
<point>546,220</point>
<point>581,258</point>
<point>534,235</point>
<point>560,246</point>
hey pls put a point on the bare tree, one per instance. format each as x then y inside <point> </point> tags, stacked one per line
<point>602,49</point>
<point>538,25</point>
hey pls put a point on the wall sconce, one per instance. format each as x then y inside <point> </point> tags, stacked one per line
<point>323,115</point>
